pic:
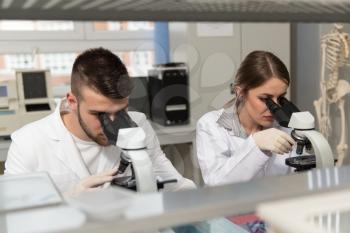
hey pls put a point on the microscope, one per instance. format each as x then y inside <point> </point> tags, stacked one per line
<point>307,138</point>
<point>124,133</point>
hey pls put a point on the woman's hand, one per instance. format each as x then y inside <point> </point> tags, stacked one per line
<point>274,140</point>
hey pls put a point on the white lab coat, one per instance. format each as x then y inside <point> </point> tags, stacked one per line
<point>226,158</point>
<point>47,145</point>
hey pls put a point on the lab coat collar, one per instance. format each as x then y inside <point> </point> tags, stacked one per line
<point>67,151</point>
<point>57,127</point>
<point>230,121</point>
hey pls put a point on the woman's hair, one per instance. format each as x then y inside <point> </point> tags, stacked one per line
<point>103,71</point>
<point>257,68</point>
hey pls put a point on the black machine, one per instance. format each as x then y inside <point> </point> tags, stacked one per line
<point>282,113</point>
<point>169,94</point>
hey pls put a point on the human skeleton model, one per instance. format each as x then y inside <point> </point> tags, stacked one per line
<point>335,54</point>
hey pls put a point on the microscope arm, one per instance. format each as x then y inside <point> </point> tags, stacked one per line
<point>322,150</point>
<point>142,165</point>
<point>303,124</point>
<point>132,141</point>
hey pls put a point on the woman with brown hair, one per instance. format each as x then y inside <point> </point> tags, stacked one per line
<point>241,141</point>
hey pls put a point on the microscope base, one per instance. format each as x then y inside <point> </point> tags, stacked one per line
<point>129,182</point>
<point>302,163</point>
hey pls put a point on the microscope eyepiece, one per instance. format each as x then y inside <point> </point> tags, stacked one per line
<point>277,112</point>
<point>272,106</point>
<point>287,106</point>
<point>111,127</point>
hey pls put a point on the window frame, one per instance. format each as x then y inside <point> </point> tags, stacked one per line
<point>91,34</point>
<point>81,38</point>
<point>76,34</point>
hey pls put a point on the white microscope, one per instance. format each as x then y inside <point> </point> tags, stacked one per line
<point>124,133</point>
<point>305,135</point>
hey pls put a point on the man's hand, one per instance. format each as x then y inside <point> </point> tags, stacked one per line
<point>274,140</point>
<point>93,182</point>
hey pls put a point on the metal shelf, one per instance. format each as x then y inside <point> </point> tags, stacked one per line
<point>179,10</point>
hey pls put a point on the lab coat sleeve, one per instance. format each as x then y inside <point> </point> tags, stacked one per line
<point>224,158</point>
<point>161,164</point>
<point>19,158</point>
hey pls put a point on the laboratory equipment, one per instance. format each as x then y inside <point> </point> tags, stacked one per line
<point>124,133</point>
<point>305,135</point>
<point>169,94</point>
<point>25,99</point>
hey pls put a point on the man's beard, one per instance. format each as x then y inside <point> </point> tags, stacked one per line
<point>100,139</point>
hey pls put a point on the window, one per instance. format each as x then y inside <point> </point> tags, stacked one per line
<point>123,26</point>
<point>59,64</point>
<point>140,62</point>
<point>36,25</point>
<point>119,30</point>
<point>40,30</point>
<point>54,45</point>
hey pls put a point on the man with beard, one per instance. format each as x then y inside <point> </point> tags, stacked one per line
<point>70,143</point>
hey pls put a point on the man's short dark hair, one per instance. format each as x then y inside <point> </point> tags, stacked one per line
<point>103,71</point>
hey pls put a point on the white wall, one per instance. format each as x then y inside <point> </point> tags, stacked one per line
<point>213,61</point>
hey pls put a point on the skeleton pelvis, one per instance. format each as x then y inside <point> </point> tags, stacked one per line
<point>342,89</point>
